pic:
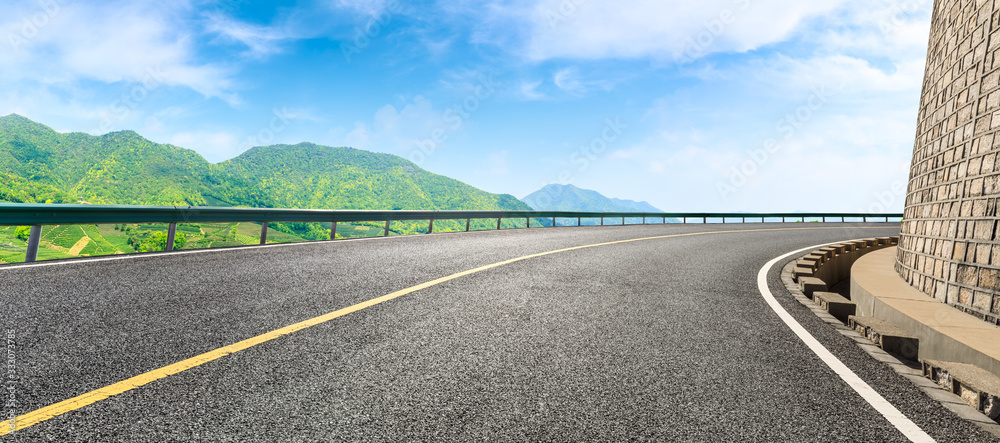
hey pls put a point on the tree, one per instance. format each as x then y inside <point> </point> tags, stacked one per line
<point>158,242</point>
<point>180,240</point>
<point>22,233</point>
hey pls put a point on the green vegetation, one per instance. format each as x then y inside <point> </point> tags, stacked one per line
<point>39,165</point>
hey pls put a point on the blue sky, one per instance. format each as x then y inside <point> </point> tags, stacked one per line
<point>714,105</point>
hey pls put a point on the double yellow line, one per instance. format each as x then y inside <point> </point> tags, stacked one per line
<point>39,415</point>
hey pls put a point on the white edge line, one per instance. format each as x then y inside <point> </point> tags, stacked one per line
<point>903,424</point>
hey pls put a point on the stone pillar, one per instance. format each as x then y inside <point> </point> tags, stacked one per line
<point>949,246</point>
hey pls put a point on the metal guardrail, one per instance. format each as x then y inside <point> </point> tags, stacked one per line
<point>38,215</point>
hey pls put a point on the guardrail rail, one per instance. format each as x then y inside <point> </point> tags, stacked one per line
<point>38,215</point>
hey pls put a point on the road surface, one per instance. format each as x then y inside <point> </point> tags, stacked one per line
<point>666,338</point>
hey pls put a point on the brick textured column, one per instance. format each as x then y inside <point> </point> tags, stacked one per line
<point>949,246</point>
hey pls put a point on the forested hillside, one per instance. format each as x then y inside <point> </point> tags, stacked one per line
<point>40,165</point>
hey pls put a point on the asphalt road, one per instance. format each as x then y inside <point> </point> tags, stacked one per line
<point>665,339</point>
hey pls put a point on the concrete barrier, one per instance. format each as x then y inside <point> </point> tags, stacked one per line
<point>835,304</point>
<point>800,272</point>
<point>832,264</point>
<point>945,333</point>
<point>811,285</point>
<point>972,384</point>
<point>887,336</point>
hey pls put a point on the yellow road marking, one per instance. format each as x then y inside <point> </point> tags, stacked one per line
<point>57,409</point>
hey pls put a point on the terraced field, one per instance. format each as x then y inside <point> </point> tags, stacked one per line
<point>58,241</point>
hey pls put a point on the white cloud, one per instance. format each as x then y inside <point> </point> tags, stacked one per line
<point>137,42</point>
<point>669,29</point>
<point>845,74</point>
<point>357,137</point>
<point>529,91</point>
<point>566,79</point>
<point>261,41</point>
<point>572,82</point>
<point>397,130</point>
<point>367,7</point>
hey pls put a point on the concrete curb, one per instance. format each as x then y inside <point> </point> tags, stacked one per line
<point>947,399</point>
<point>945,333</point>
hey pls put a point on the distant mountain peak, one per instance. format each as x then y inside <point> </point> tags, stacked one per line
<point>12,121</point>
<point>556,197</point>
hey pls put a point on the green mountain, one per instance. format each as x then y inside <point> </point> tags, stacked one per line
<point>313,176</point>
<point>38,164</point>
<point>116,168</point>
<point>557,197</point>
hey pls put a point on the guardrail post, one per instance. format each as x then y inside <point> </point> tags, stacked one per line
<point>782,219</point>
<point>386,233</point>
<point>704,220</point>
<point>498,223</point>
<point>430,227</point>
<point>333,231</point>
<point>623,221</point>
<point>842,219</point>
<point>553,221</point>
<point>468,222</point>
<point>171,233</point>
<point>34,239</point>
<point>579,221</point>
<point>263,233</point>
<point>864,219</point>
<point>527,220</point>
<point>824,219</point>
<point>602,221</point>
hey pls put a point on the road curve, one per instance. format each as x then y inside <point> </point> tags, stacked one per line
<point>659,339</point>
